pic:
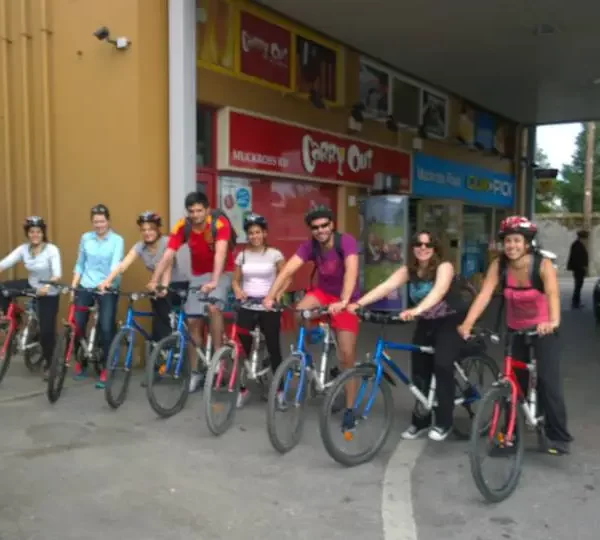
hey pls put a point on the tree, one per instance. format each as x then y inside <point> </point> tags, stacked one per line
<point>570,188</point>
<point>544,202</point>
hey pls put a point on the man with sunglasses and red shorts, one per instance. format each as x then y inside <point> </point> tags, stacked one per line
<point>335,257</point>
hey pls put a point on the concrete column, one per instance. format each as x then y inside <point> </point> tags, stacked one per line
<point>182,104</point>
<point>529,176</point>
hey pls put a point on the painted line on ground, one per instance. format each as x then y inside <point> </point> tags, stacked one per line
<point>396,505</point>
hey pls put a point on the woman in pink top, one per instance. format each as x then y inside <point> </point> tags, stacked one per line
<point>532,299</point>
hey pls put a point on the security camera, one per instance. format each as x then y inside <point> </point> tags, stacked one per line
<point>102,34</point>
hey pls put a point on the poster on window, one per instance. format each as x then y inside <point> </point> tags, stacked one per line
<point>433,114</point>
<point>374,87</point>
<point>236,202</point>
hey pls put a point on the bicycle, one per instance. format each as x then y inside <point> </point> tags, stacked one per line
<point>299,368</point>
<point>170,360</point>
<point>506,395</point>
<point>19,331</point>
<point>66,345</point>
<point>373,373</point>
<point>125,336</point>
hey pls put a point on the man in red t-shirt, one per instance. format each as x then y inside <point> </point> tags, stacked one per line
<point>211,269</point>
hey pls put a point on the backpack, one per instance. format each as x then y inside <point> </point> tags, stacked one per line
<point>316,252</point>
<point>214,216</point>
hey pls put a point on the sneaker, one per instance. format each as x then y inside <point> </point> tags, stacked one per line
<point>552,448</point>
<point>80,372</point>
<point>439,434</point>
<point>413,432</point>
<point>195,381</point>
<point>281,403</point>
<point>101,383</point>
<point>242,398</point>
<point>348,421</point>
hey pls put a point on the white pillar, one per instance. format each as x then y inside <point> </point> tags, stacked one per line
<point>182,104</point>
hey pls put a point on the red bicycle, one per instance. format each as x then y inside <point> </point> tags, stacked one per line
<point>89,350</point>
<point>513,410</point>
<point>19,331</point>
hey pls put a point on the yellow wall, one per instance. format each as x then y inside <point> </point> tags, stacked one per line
<point>80,122</point>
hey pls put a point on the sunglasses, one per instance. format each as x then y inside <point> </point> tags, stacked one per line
<point>427,245</point>
<point>320,227</point>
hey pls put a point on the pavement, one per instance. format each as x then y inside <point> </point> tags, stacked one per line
<point>79,470</point>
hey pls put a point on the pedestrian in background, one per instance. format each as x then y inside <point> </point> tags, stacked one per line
<point>578,264</point>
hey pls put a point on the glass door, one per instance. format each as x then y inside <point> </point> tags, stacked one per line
<point>444,220</point>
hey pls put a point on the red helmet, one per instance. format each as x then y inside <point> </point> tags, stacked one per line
<point>517,225</point>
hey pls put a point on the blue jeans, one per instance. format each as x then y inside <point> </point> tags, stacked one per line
<point>107,313</point>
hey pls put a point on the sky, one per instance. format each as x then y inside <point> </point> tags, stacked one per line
<point>558,142</point>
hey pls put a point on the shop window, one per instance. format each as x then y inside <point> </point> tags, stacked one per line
<point>405,102</point>
<point>204,136</point>
<point>477,233</point>
<point>316,68</point>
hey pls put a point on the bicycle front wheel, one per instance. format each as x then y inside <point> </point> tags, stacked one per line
<point>32,355</point>
<point>63,352</point>
<point>221,390</point>
<point>493,416</point>
<point>120,356</point>
<point>168,372</point>
<point>7,342</point>
<point>338,441</point>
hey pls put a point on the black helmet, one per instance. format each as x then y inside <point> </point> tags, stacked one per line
<point>100,210</point>
<point>255,219</point>
<point>34,221</point>
<point>149,217</point>
<point>317,212</point>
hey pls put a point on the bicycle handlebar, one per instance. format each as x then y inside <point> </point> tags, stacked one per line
<point>65,289</point>
<point>495,337</point>
<point>29,293</point>
<point>379,316</point>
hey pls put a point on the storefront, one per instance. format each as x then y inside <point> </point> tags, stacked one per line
<point>462,205</point>
<point>280,169</point>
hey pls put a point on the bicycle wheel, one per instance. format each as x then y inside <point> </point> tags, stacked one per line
<point>120,356</point>
<point>290,380</point>
<point>61,358</point>
<point>32,355</point>
<point>498,399</point>
<point>366,374</point>
<point>168,369</point>
<point>221,390</point>
<point>481,372</point>
<point>7,340</point>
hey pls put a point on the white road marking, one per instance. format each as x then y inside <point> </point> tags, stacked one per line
<point>396,506</point>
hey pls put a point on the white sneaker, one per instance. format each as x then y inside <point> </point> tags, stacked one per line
<point>195,381</point>
<point>413,432</point>
<point>439,434</point>
<point>242,398</point>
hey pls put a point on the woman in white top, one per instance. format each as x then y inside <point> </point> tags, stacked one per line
<point>42,262</point>
<point>256,268</point>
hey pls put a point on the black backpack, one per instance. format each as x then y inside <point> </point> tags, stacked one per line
<point>316,252</point>
<point>215,214</point>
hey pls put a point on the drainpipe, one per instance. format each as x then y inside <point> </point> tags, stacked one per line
<point>5,43</point>
<point>25,38</point>
<point>529,176</point>
<point>47,138</point>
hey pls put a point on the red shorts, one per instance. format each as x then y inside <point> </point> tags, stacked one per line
<point>344,321</point>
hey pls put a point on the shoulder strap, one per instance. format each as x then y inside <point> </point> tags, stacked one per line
<point>187,230</point>
<point>337,244</point>
<point>502,270</point>
<point>535,269</point>
<point>315,253</point>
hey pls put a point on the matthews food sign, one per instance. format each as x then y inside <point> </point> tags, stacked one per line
<point>258,144</point>
<point>444,179</point>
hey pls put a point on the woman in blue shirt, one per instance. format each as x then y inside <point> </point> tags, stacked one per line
<point>100,252</point>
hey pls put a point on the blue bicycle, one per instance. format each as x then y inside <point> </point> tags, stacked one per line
<point>124,342</point>
<point>169,365</point>
<point>373,378</point>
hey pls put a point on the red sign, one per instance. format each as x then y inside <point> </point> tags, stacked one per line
<point>276,148</point>
<point>264,50</point>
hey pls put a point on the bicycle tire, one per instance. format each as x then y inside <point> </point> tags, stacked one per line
<point>116,401</point>
<point>58,366</point>
<point>166,344</point>
<point>494,496</point>
<point>272,407</point>
<point>332,448</point>
<point>214,427</point>
<point>7,357</point>
<point>29,354</point>
<point>490,364</point>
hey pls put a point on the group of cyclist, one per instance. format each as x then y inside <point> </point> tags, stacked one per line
<point>260,273</point>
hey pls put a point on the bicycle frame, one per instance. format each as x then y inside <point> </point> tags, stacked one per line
<point>13,313</point>
<point>79,333</point>
<point>133,327</point>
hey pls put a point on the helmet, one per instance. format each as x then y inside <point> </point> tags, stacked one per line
<point>34,221</point>
<point>149,217</point>
<point>255,219</point>
<point>100,210</point>
<point>317,212</point>
<point>517,225</point>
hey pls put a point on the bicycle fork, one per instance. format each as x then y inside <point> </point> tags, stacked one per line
<point>253,370</point>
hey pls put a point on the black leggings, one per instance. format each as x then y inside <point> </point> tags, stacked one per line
<point>47,310</point>
<point>161,309</point>
<point>549,385</point>
<point>443,336</point>
<point>269,323</point>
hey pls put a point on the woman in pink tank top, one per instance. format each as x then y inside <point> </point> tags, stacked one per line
<point>532,299</point>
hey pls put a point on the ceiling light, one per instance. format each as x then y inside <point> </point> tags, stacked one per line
<point>544,29</point>
<point>596,80</point>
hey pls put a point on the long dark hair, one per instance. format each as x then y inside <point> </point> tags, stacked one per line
<point>436,259</point>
